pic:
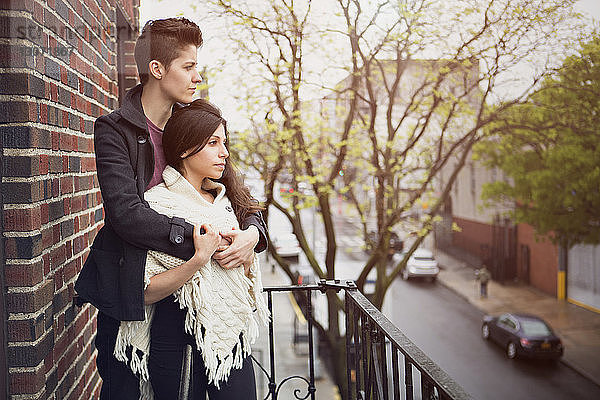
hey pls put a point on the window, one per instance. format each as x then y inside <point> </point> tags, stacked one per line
<point>535,328</point>
<point>507,322</point>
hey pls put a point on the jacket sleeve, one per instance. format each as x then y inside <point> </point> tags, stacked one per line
<point>131,218</point>
<point>257,220</point>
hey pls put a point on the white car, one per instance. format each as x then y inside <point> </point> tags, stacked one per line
<point>421,264</point>
<point>286,245</point>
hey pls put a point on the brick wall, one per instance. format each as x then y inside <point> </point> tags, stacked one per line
<point>543,259</point>
<point>474,237</point>
<point>58,73</point>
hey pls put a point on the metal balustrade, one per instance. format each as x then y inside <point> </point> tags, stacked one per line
<point>381,362</point>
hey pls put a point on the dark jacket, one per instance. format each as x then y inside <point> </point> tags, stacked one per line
<point>112,278</point>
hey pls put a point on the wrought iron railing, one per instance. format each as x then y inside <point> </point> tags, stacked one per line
<point>381,363</point>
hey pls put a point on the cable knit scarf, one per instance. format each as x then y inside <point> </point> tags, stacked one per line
<point>226,303</point>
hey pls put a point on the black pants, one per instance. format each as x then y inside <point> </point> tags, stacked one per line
<point>118,382</point>
<point>167,346</point>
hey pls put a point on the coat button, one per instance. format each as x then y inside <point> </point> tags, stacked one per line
<point>141,139</point>
<point>121,262</point>
<point>178,239</point>
<point>228,208</point>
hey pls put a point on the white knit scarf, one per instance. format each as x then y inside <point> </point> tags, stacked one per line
<point>225,303</point>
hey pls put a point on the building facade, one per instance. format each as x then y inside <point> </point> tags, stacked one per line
<point>514,252</point>
<point>63,63</point>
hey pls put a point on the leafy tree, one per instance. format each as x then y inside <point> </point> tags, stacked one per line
<point>414,80</point>
<point>549,147</point>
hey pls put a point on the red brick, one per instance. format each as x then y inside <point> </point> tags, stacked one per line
<point>69,249</point>
<point>30,301</point>
<point>58,280</point>
<point>67,205</point>
<point>54,183</point>
<point>80,260</point>
<point>46,263</point>
<point>66,142</point>
<point>63,342</point>
<point>44,212</point>
<point>66,182</point>
<point>84,221</point>
<point>44,113</point>
<point>38,12</point>
<point>82,319</point>
<point>53,92</point>
<point>58,256</point>
<point>26,330</point>
<point>22,275</point>
<point>33,111</point>
<point>69,271</point>
<point>88,164</point>
<point>27,382</point>
<point>25,219</point>
<point>67,360</point>
<point>76,204</point>
<point>78,244</point>
<point>56,233</point>
<point>44,166</point>
<point>63,75</point>
<point>55,141</point>
<point>47,237</point>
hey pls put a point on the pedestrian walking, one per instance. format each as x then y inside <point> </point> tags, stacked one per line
<point>483,276</point>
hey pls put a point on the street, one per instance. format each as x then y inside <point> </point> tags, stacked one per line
<point>447,329</point>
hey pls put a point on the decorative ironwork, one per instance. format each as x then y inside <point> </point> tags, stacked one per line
<point>376,351</point>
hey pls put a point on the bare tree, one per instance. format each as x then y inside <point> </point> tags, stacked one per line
<point>419,79</point>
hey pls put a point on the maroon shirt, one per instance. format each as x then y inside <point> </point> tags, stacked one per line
<point>159,156</point>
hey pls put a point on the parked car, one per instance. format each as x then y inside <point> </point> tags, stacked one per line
<point>522,335</point>
<point>396,244</point>
<point>286,245</point>
<point>421,264</point>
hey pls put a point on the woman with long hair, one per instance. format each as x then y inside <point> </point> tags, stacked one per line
<point>197,303</point>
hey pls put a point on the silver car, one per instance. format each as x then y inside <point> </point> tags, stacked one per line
<point>421,264</point>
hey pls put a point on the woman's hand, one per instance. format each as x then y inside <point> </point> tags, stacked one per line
<point>241,249</point>
<point>205,244</point>
<point>223,244</point>
<point>167,282</point>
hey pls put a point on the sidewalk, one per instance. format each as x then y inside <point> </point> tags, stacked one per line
<point>578,328</point>
<point>287,362</point>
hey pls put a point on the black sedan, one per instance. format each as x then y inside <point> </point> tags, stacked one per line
<point>522,335</point>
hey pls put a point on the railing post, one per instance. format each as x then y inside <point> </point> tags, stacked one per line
<point>272,385</point>
<point>395,372</point>
<point>408,381</point>
<point>379,363</point>
<point>357,354</point>
<point>364,328</point>
<point>384,375</point>
<point>349,334</point>
<point>311,385</point>
<point>426,388</point>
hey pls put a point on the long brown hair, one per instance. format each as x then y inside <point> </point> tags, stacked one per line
<point>190,128</point>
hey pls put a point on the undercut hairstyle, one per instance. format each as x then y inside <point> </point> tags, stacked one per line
<point>162,40</point>
<point>190,128</point>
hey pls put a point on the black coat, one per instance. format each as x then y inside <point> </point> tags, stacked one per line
<point>112,278</point>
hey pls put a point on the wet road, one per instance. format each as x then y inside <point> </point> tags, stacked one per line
<point>447,329</point>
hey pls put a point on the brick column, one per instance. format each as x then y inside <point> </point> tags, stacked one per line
<point>58,61</point>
